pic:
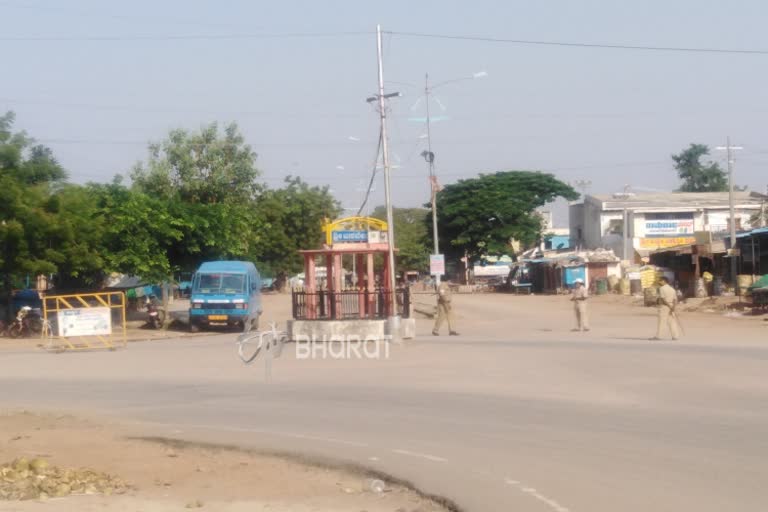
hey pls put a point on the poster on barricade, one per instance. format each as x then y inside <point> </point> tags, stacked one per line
<point>85,322</point>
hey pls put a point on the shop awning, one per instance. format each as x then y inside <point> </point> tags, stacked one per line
<point>756,231</point>
<point>678,249</point>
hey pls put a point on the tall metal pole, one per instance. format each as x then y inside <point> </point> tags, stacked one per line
<point>394,327</point>
<point>432,181</point>
<point>625,233</point>
<point>734,262</point>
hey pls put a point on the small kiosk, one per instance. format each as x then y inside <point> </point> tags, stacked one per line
<point>354,298</point>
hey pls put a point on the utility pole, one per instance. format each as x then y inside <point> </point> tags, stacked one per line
<point>393,320</point>
<point>627,247</point>
<point>625,234</point>
<point>430,157</point>
<point>734,262</point>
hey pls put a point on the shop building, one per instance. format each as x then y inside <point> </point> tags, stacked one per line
<point>635,225</point>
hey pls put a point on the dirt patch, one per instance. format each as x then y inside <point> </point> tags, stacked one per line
<point>164,475</point>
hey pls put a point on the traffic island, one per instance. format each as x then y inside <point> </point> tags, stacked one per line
<point>367,329</point>
<point>346,292</point>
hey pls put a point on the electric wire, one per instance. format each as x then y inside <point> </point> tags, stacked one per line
<point>575,44</point>
<point>182,37</point>
<point>373,176</point>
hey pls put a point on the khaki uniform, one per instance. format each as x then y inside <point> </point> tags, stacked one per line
<point>579,298</point>
<point>444,309</point>
<point>667,315</point>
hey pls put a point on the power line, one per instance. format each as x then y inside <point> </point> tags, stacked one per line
<point>579,44</point>
<point>551,169</point>
<point>455,37</point>
<point>68,11</point>
<point>318,144</point>
<point>180,110</point>
<point>373,176</point>
<point>192,37</point>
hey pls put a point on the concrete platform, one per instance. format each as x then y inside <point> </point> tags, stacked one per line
<point>345,329</point>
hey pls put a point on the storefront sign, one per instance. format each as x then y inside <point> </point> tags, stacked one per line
<point>669,227</point>
<point>666,242</point>
<point>84,322</point>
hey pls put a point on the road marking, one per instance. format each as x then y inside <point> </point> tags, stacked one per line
<point>531,491</point>
<point>373,459</point>
<point>324,439</point>
<point>268,432</point>
<point>433,458</point>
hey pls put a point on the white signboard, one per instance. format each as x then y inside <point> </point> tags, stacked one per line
<point>377,237</point>
<point>669,227</point>
<point>85,322</point>
<point>437,264</point>
<point>491,270</point>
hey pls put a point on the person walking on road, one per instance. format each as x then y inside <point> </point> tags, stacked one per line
<point>667,315</point>
<point>444,310</point>
<point>579,298</point>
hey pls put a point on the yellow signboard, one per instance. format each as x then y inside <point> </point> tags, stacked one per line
<point>354,229</point>
<point>665,243</point>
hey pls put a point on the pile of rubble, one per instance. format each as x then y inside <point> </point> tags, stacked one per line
<point>35,479</point>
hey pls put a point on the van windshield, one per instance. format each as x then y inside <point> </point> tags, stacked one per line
<point>220,283</point>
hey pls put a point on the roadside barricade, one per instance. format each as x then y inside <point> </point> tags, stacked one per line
<point>85,321</point>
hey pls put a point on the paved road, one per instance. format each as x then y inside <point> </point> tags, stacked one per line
<point>564,424</point>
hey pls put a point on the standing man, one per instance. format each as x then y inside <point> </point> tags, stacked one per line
<point>667,314</point>
<point>579,298</point>
<point>444,310</point>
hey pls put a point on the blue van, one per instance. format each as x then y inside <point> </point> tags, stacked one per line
<point>225,293</point>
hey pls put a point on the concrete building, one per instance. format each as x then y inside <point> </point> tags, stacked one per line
<point>555,239</point>
<point>656,221</point>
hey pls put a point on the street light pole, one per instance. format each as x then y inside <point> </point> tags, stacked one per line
<point>430,157</point>
<point>393,319</point>
<point>734,262</point>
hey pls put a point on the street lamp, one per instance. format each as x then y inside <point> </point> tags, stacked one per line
<point>429,155</point>
<point>733,252</point>
<point>371,99</point>
<point>627,246</point>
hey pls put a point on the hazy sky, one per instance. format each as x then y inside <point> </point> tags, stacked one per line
<point>104,78</point>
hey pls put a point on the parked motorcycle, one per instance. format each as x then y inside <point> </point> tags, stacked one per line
<point>155,313</point>
<point>28,321</point>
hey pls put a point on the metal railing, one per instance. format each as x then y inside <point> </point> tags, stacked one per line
<point>347,304</point>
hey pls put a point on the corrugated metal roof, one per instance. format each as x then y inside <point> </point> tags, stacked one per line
<point>756,231</point>
<point>674,200</point>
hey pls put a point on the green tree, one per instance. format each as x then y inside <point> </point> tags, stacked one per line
<point>209,181</point>
<point>482,215</point>
<point>74,237</point>
<point>291,218</point>
<point>698,176</point>
<point>31,234</point>
<point>206,167</point>
<point>139,231</point>
<point>411,236</point>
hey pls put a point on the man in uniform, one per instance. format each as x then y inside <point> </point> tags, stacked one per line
<point>444,310</point>
<point>579,298</point>
<point>667,314</point>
